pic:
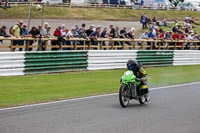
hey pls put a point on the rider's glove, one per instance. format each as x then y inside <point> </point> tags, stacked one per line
<point>138,80</point>
<point>120,80</point>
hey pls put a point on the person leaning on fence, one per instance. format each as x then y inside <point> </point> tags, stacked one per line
<point>94,36</point>
<point>24,33</point>
<point>104,34</point>
<point>16,32</point>
<point>34,34</point>
<point>83,35</point>
<point>143,36</point>
<point>3,32</point>
<point>56,43</point>
<point>152,37</point>
<point>45,34</point>
<point>130,35</point>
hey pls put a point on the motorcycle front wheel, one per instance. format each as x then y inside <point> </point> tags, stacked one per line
<point>124,96</point>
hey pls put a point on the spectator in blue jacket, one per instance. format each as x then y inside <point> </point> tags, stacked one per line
<point>151,36</point>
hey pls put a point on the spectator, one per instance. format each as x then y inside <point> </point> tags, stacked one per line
<point>94,36</point>
<point>45,25</point>
<point>82,27</point>
<point>151,36</point>
<point>3,33</point>
<point>69,35</point>
<point>46,34</point>
<point>143,36</point>
<point>63,30</point>
<point>142,2</point>
<point>112,31</point>
<point>144,21</point>
<point>156,21</point>
<point>34,34</point>
<point>83,35</point>
<point>24,33</point>
<point>123,33</point>
<point>16,31</point>
<point>130,35</point>
<point>76,33</point>
<point>104,34</point>
<point>90,30</point>
<point>165,23</point>
<point>58,34</point>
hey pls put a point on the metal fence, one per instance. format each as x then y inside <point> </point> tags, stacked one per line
<point>87,5</point>
<point>101,44</point>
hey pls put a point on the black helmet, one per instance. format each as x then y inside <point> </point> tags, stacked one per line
<point>132,65</point>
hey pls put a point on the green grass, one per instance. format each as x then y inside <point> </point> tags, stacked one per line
<point>196,29</point>
<point>20,12</point>
<point>21,90</point>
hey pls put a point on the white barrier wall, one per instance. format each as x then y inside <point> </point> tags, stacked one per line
<point>186,57</point>
<point>12,63</point>
<point>111,59</point>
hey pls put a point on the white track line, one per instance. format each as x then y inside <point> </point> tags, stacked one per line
<point>76,99</point>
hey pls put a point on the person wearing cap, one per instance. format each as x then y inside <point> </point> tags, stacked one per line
<point>151,36</point>
<point>76,33</point>
<point>104,34</point>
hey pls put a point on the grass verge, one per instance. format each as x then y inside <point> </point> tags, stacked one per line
<point>21,90</point>
<point>20,12</point>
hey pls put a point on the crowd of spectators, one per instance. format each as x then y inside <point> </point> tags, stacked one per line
<point>91,33</point>
<point>155,30</point>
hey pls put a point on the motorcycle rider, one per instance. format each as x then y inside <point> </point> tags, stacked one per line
<point>140,73</point>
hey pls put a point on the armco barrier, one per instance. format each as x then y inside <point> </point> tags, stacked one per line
<point>11,63</point>
<point>187,57</point>
<point>150,58</point>
<point>24,63</point>
<point>58,61</point>
<point>111,59</point>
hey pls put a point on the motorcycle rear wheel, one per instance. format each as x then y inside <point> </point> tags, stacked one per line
<point>124,96</point>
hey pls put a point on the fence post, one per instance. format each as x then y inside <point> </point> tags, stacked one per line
<point>101,45</point>
<point>90,43</point>
<point>112,46</point>
<point>175,45</point>
<point>45,46</point>
<point>27,46</point>
<point>75,45</point>
<point>11,46</point>
<point>61,45</point>
<point>142,45</point>
<point>123,46</point>
<point>151,46</point>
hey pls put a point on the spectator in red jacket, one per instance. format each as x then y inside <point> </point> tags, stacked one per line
<point>58,34</point>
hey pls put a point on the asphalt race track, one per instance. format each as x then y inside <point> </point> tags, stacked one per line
<point>171,110</point>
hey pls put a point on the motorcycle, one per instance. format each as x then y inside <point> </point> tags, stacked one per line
<point>130,89</point>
